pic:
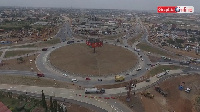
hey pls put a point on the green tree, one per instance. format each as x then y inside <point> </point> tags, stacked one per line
<point>20,60</point>
<point>55,106</point>
<point>44,104</point>
<point>180,41</point>
<point>192,39</point>
<point>59,108</point>
<point>51,104</point>
<point>170,41</point>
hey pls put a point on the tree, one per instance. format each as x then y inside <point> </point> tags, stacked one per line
<point>51,104</point>
<point>170,41</point>
<point>44,104</point>
<point>55,106</point>
<point>192,39</point>
<point>180,41</point>
<point>20,60</point>
<point>59,108</point>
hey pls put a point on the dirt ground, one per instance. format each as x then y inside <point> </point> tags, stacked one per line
<point>13,64</point>
<point>80,59</point>
<point>176,101</point>
<point>77,108</point>
<point>177,51</point>
<point>34,81</point>
<point>123,84</point>
<point>185,53</point>
<point>134,39</point>
<point>135,103</point>
<point>153,59</point>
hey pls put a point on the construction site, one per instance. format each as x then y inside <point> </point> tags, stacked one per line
<point>177,94</point>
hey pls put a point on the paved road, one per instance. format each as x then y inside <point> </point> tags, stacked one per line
<point>109,104</point>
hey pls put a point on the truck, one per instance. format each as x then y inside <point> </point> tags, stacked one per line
<point>94,91</point>
<point>184,63</point>
<point>161,74</point>
<point>158,89</point>
<point>119,78</point>
<point>147,94</point>
<point>70,42</point>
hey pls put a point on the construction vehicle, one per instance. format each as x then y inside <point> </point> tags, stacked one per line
<point>147,94</point>
<point>119,78</point>
<point>158,89</point>
<point>94,90</point>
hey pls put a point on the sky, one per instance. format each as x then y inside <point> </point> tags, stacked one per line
<point>103,4</point>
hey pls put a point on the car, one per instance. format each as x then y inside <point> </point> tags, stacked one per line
<point>140,56</point>
<point>170,62</point>
<point>87,78</point>
<point>40,74</point>
<point>74,80</point>
<point>149,64</point>
<point>78,41</point>
<point>44,49</point>
<point>126,46</point>
<point>142,59</point>
<point>53,47</point>
<point>134,74</point>
<point>127,74</point>
<point>138,69</point>
<point>100,80</point>
<point>65,75</point>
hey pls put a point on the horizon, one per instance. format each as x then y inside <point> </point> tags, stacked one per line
<point>138,5</point>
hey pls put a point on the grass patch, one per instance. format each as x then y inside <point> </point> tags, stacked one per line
<point>16,53</point>
<point>34,81</point>
<point>1,53</point>
<point>52,41</point>
<point>134,39</point>
<point>25,46</point>
<point>162,68</point>
<point>11,103</point>
<point>148,48</point>
<point>112,37</point>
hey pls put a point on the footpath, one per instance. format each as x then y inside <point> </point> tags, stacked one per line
<point>101,101</point>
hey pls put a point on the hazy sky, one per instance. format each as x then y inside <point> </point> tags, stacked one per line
<point>105,4</point>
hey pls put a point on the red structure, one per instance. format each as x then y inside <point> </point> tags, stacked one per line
<point>131,85</point>
<point>92,42</point>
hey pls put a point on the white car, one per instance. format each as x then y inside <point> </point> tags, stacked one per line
<point>65,75</point>
<point>138,69</point>
<point>74,80</point>
<point>142,59</point>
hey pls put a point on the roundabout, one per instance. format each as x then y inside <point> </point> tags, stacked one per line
<point>44,64</point>
<point>80,59</point>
